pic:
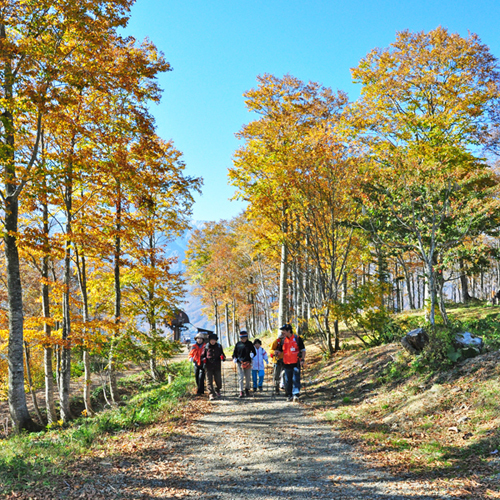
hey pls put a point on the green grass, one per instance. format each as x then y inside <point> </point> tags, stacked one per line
<point>29,458</point>
<point>399,444</point>
<point>337,416</point>
<point>375,437</point>
<point>431,451</point>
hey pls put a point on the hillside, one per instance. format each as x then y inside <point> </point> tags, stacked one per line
<point>439,428</point>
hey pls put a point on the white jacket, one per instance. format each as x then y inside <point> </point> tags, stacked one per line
<point>259,358</point>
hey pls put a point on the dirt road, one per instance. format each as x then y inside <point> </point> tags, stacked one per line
<point>257,448</point>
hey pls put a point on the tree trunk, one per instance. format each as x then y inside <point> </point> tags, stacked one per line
<point>82,278</point>
<point>465,283</point>
<point>442,306</point>
<point>398,297</point>
<point>64,388</point>
<point>382,274</point>
<point>58,367</point>
<point>45,291</point>
<point>235,325</point>
<point>283,303</point>
<point>265,296</point>
<point>337,335</point>
<point>113,386</point>
<point>254,319</point>
<point>226,311</point>
<point>48,351</point>
<point>152,364</point>
<point>152,310</point>
<point>216,316</point>
<point>410,285</point>
<point>344,287</point>
<point>17,396</point>
<point>431,284</point>
<point>328,332</point>
<point>30,383</point>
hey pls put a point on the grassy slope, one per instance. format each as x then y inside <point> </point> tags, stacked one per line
<point>42,462</point>
<point>441,427</point>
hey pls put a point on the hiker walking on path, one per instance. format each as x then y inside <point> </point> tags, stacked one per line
<point>294,354</point>
<point>277,357</point>
<point>199,369</point>
<point>243,353</point>
<point>212,357</point>
<point>258,365</point>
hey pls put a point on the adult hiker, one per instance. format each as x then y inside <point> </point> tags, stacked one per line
<point>277,357</point>
<point>211,357</point>
<point>195,356</point>
<point>243,353</point>
<point>294,355</point>
<point>258,365</point>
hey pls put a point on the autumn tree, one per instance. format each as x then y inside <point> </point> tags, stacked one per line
<point>37,42</point>
<point>428,109</point>
<point>264,166</point>
<point>162,210</point>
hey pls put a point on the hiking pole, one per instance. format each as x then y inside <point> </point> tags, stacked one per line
<point>273,372</point>
<point>223,378</point>
<point>303,378</point>
<point>234,373</point>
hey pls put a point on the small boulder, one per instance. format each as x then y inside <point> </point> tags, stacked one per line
<point>468,341</point>
<point>415,341</point>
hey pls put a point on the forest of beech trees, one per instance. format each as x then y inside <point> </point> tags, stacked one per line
<point>91,196</point>
<point>355,210</point>
<point>358,210</point>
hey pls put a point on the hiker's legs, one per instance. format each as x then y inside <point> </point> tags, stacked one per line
<point>218,379</point>
<point>241,374</point>
<point>199,374</point>
<point>289,379</point>
<point>296,380</point>
<point>277,371</point>
<point>210,381</point>
<point>254,379</point>
<point>261,378</point>
<point>248,376</point>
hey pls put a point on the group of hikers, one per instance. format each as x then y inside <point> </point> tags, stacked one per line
<point>287,354</point>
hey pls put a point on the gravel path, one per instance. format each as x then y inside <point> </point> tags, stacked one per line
<point>266,448</point>
<point>256,448</point>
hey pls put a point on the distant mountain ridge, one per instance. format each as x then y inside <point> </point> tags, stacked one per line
<point>192,305</point>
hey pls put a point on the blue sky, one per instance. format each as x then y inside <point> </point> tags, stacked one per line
<point>218,47</point>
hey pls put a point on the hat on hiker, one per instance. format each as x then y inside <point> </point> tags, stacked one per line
<point>201,336</point>
<point>243,333</point>
<point>212,336</point>
<point>287,327</point>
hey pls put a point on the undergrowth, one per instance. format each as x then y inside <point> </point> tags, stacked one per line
<point>28,459</point>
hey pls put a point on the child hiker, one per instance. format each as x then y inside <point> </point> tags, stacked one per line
<point>258,365</point>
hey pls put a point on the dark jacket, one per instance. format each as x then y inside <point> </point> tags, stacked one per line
<point>212,356</point>
<point>242,351</point>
